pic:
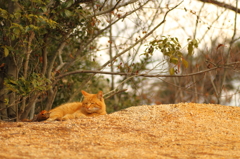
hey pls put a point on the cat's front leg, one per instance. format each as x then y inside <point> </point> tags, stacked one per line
<point>78,114</point>
<point>52,119</point>
<point>67,117</point>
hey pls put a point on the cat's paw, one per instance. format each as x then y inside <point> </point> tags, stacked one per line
<point>51,119</point>
<point>64,118</point>
<point>79,115</point>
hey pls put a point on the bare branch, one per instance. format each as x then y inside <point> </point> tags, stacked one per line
<point>115,6</point>
<point>61,62</point>
<point>44,56</point>
<point>111,9</point>
<point>228,66</point>
<point>228,54</point>
<point>58,52</point>
<point>28,53</point>
<point>116,89</point>
<point>222,4</point>
<point>103,5</point>
<point>197,21</point>
<point>114,93</point>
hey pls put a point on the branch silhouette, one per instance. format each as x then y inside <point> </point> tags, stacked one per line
<point>222,4</point>
<point>232,65</point>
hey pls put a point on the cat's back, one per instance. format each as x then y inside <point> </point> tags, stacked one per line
<point>67,108</point>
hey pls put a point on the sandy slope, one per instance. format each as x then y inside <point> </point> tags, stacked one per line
<point>184,130</point>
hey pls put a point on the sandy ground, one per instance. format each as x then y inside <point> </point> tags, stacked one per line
<point>185,130</point>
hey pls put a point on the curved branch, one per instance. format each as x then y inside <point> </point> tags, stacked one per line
<point>58,52</point>
<point>222,4</point>
<point>111,9</point>
<point>28,53</point>
<point>146,75</point>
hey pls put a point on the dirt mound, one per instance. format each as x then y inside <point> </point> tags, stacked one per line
<point>185,130</point>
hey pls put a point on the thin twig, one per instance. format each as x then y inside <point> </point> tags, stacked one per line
<point>114,93</point>
<point>222,4</point>
<point>229,52</point>
<point>111,9</point>
<point>124,81</point>
<point>230,65</point>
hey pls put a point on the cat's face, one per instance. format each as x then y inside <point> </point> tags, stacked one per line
<point>90,106</point>
<point>93,103</point>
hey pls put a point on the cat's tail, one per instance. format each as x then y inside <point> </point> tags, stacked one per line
<point>43,115</point>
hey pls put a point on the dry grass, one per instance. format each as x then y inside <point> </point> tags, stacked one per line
<point>184,130</point>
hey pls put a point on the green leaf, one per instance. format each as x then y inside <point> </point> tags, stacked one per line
<point>190,49</point>
<point>12,82</point>
<point>16,31</point>
<point>185,63</point>
<point>191,45</point>
<point>17,15</point>
<point>174,60</point>
<point>195,43</point>
<point>6,101</point>
<point>3,13</point>
<point>172,71</point>
<point>6,51</point>
<point>44,9</point>
<point>68,13</point>
<point>68,3</point>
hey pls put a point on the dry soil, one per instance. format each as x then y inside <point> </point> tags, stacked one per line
<point>185,130</point>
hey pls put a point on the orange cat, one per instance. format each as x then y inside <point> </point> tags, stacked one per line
<point>92,105</point>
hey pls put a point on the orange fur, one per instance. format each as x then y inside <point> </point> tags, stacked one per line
<point>92,105</point>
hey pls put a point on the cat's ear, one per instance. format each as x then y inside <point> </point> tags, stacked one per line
<point>100,95</point>
<point>84,93</point>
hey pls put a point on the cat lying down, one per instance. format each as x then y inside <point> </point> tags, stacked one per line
<point>92,105</point>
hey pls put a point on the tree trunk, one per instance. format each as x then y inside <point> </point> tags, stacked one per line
<point>51,96</point>
<point>3,110</point>
<point>32,112</point>
<point>222,4</point>
<point>29,106</point>
<point>11,72</point>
